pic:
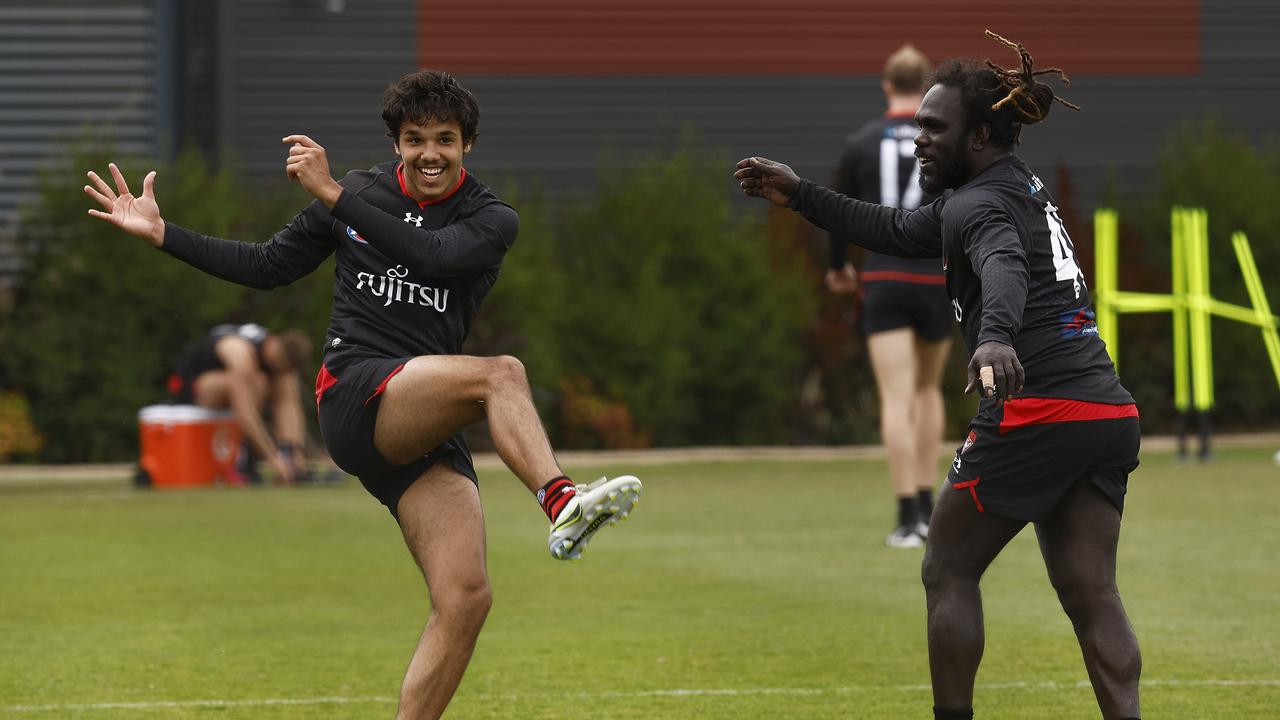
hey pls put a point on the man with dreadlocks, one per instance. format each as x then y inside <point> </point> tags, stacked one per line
<point>1056,434</point>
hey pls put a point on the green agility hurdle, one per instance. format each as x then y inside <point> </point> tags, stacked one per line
<point>1190,305</point>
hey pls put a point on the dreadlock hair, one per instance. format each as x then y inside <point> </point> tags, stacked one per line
<point>1002,98</point>
<point>430,95</point>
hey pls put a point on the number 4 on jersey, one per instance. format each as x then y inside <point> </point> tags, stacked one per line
<point>1064,252</point>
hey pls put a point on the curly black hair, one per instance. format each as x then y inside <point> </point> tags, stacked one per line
<point>1004,99</point>
<point>430,95</point>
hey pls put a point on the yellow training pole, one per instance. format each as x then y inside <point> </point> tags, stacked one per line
<point>1199,300</point>
<point>1258,297</point>
<point>1104,281</point>
<point>1181,349</point>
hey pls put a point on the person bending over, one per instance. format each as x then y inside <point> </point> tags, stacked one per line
<point>254,374</point>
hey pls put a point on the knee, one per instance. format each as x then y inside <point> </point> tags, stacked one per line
<point>895,417</point>
<point>508,370</point>
<point>929,398</point>
<point>934,576</point>
<point>946,575</point>
<point>1080,601</point>
<point>464,604</point>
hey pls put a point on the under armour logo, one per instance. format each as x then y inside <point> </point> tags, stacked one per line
<point>417,221</point>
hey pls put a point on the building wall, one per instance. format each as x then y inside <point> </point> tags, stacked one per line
<point>66,69</point>
<point>1139,68</point>
<point>565,84</point>
<point>315,67</point>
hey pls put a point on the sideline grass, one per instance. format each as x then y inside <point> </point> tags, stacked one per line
<point>738,591</point>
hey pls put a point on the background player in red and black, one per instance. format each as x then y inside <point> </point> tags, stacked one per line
<point>1056,434</point>
<point>419,243</point>
<point>253,373</point>
<point>905,312</point>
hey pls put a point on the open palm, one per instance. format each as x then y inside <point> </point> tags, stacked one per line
<point>136,215</point>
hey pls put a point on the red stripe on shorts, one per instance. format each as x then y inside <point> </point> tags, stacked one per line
<point>899,276</point>
<point>324,381</point>
<point>1020,412</point>
<point>972,486</point>
<point>383,385</point>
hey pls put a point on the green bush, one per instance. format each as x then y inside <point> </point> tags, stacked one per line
<point>18,434</point>
<point>1202,164</point>
<point>658,295</point>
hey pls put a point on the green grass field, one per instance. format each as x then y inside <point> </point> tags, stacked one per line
<point>737,591</point>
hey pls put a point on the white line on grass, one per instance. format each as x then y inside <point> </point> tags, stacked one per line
<point>675,692</point>
<point>163,704</point>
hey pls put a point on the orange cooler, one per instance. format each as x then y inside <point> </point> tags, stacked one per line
<point>188,446</point>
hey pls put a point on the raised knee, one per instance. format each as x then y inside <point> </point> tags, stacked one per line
<point>507,369</point>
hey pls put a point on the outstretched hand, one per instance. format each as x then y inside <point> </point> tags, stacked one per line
<point>764,178</point>
<point>995,365</point>
<point>308,165</point>
<point>136,215</point>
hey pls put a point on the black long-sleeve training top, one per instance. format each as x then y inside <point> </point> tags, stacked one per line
<point>408,278</point>
<point>1010,268</point>
<point>879,165</point>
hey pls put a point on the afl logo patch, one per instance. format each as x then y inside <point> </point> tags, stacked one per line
<point>351,233</point>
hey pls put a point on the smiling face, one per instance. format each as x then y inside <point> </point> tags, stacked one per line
<point>943,143</point>
<point>432,154</point>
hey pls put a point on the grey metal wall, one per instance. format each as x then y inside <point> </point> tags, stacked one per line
<point>67,68</point>
<point>293,65</point>
<point>552,128</point>
<point>316,67</point>
<point>256,70</point>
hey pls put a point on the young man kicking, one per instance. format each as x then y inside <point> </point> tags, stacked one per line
<point>1056,434</point>
<point>419,243</point>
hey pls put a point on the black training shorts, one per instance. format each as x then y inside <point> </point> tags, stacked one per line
<point>1020,460</point>
<point>891,304</point>
<point>347,398</point>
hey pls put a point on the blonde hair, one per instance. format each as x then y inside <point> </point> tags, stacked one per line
<point>908,71</point>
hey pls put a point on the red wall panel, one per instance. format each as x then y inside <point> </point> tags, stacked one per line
<point>799,37</point>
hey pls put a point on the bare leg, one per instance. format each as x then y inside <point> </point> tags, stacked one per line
<point>443,526</point>
<point>286,410</point>
<point>962,543</point>
<point>894,363</point>
<point>930,413</point>
<point>245,394</point>
<point>1078,543</point>
<point>435,396</point>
